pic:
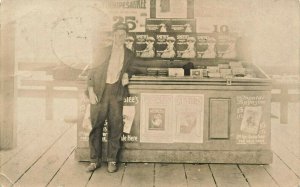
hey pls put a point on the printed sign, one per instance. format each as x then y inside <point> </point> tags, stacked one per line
<point>131,12</point>
<point>162,25</point>
<point>155,121</point>
<point>226,46</point>
<point>188,110</point>
<point>250,115</point>
<point>130,130</point>
<point>205,46</point>
<point>169,118</point>
<point>158,25</point>
<point>165,45</point>
<point>186,45</point>
<point>145,45</point>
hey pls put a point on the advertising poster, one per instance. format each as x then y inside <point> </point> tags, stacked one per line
<point>171,9</point>
<point>156,119</point>
<point>205,46</point>
<point>189,110</point>
<point>128,117</point>
<point>226,46</point>
<point>165,45</point>
<point>130,130</point>
<point>130,42</point>
<point>183,25</point>
<point>251,119</point>
<point>145,45</point>
<point>157,124</point>
<point>156,116</point>
<point>185,45</point>
<point>159,25</point>
<point>250,116</point>
<point>132,12</point>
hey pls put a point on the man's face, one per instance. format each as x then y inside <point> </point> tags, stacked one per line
<point>120,36</point>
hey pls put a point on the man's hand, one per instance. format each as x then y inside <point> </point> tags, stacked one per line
<point>93,97</point>
<point>125,79</point>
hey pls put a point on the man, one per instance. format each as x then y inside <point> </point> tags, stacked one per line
<point>107,87</point>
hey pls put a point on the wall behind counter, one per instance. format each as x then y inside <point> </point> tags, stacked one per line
<point>271,28</point>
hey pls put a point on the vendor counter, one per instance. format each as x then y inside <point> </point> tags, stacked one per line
<point>192,120</point>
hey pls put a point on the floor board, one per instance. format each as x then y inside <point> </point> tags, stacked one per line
<point>281,173</point>
<point>257,176</point>
<point>21,163</point>
<point>101,177</point>
<point>228,175</point>
<point>138,174</point>
<point>288,158</point>
<point>170,175</point>
<point>44,169</point>
<point>72,173</point>
<point>199,175</point>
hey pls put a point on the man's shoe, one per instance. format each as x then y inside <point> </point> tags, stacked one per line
<point>93,166</point>
<point>112,167</point>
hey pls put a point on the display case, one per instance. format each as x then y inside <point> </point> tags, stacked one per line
<point>196,118</point>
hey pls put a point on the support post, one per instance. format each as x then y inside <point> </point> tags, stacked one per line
<point>8,130</point>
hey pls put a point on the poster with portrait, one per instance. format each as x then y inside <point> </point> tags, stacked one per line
<point>226,46</point>
<point>165,45</point>
<point>251,119</point>
<point>185,45</point>
<point>251,114</point>
<point>205,45</point>
<point>128,117</point>
<point>155,118</point>
<point>189,112</point>
<point>144,45</point>
<point>130,41</point>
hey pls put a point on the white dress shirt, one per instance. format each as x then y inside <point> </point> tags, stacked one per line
<point>115,64</point>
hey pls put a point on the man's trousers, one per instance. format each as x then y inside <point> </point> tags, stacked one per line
<point>111,109</point>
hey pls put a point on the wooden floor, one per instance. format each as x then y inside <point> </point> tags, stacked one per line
<point>45,157</point>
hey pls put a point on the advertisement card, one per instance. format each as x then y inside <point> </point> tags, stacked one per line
<point>158,25</point>
<point>144,45</point>
<point>165,45</point>
<point>226,46</point>
<point>251,118</point>
<point>185,45</point>
<point>205,46</point>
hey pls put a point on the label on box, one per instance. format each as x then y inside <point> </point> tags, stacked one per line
<point>176,72</point>
<point>196,73</point>
<point>238,71</point>
<point>212,69</point>
<point>214,75</point>
<point>223,66</point>
<point>235,64</point>
<point>225,72</point>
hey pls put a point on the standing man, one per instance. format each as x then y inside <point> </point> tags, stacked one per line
<point>107,87</point>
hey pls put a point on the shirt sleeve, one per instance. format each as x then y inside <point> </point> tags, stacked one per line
<point>90,78</point>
